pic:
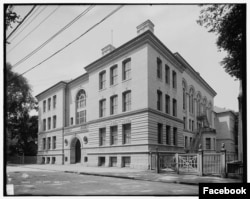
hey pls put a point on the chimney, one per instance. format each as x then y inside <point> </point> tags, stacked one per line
<point>147,25</point>
<point>107,49</point>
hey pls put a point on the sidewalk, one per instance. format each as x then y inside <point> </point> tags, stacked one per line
<point>127,173</point>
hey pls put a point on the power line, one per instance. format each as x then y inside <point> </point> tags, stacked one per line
<point>51,38</point>
<point>24,23</point>
<point>107,16</point>
<point>28,23</point>
<point>21,22</point>
<point>34,29</point>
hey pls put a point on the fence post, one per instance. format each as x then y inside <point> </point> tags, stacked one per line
<point>200,161</point>
<point>157,169</point>
<point>177,163</point>
<point>223,161</point>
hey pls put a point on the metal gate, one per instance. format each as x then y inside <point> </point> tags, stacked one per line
<point>168,162</point>
<point>187,163</point>
<point>211,163</point>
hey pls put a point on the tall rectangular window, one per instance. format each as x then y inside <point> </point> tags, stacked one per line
<point>167,74</point>
<point>126,96</point>
<point>159,100</point>
<point>113,104</point>
<point>81,117</point>
<point>113,75</point>
<point>71,120</point>
<point>191,142</point>
<point>168,134</point>
<point>44,106</point>
<point>44,143</point>
<point>174,136</point>
<point>192,125</point>
<point>126,69</point>
<point>102,105</point>
<point>102,80</point>
<point>49,142</point>
<point>185,142</point>
<point>44,124</point>
<point>54,121</point>
<point>174,79</point>
<point>49,104</point>
<point>159,133</point>
<point>126,133</point>
<point>184,122</point>
<point>49,123</point>
<point>113,135</point>
<point>174,107</point>
<point>54,101</point>
<point>159,68</point>
<point>54,142</point>
<point>208,143</point>
<point>167,104</point>
<point>102,136</point>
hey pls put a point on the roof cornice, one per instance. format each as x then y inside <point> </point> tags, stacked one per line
<point>144,38</point>
<point>61,84</point>
<point>194,73</point>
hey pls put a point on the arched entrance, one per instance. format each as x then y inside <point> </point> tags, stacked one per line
<point>75,151</point>
<point>78,151</point>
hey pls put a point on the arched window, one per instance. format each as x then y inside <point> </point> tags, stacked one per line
<point>210,113</point>
<point>191,100</point>
<point>184,88</point>
<point>204,110</point>
<point>198,104</point>
<point>81,107</point>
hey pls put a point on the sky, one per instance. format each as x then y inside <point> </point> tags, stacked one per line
<point>175,26</point>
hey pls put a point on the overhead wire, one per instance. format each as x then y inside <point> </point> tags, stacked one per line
<point>24,27</point>
<point>50,14</point>
<point>55,35</point>
<point>92,27</point>
<point>24,23</point>
<point>32,9</point>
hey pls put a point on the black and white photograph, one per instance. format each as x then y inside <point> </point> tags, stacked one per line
<point>123,99</point>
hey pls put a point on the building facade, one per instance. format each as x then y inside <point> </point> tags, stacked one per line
<point>226,131</point>
<point>135,99</point>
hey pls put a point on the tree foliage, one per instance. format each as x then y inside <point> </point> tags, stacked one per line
<point>20,127</point>
<point>10,17</point>
<point>228,21</point>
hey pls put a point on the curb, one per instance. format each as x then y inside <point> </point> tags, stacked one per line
<point>132,178</point>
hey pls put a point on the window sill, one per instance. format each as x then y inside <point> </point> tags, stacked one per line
<point>113,85</point>
<point>103,89</point>
<point>125,80</point>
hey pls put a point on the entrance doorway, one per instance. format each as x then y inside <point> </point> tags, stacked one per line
<point>75,151</point>
<point>78,151</point>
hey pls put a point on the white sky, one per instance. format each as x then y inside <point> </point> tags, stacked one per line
<point>175,26</point>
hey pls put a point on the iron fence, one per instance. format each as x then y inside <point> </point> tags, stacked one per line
<point>22,160</point>
<point>211,163</point>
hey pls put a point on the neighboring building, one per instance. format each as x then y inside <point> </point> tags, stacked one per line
<point>135,99</point>
<point>226,131</point>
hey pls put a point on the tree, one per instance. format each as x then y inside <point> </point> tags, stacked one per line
<point>20,127</point>
<point>228,21</point>
<point>11,16</point>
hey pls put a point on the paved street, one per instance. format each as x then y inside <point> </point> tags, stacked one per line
<point>42,182</point>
